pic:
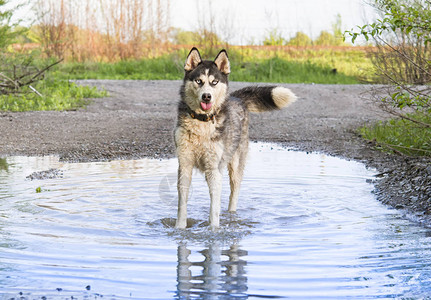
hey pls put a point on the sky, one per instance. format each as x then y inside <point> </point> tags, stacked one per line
<point>249,21</point>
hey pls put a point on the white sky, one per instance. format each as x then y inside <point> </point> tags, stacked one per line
<point>252,19</point>
<point>246,21</point>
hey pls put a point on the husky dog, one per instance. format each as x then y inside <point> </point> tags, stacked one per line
<point>212,128</point>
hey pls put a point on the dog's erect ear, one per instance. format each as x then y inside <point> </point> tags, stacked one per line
<point>222,62</point>
<point>193,59</point>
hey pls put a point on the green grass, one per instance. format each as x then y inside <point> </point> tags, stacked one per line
<point>262,70</point>
<point>283,66</point>
<point>310,64</point>
<point>144,69</point>
<point>284,71</point>
<point>251,64</point>
<point>401,136</point>
<point>56,95</point>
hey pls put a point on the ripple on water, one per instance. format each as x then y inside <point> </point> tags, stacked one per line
<point>307,226</point>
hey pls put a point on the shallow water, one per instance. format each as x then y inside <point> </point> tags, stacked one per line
<point>307,226</point>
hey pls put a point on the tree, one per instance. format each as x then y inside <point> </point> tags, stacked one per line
<point>337,32</point>
<point>403,59</point>
<point>274,38</point>
<point>403,38</point>
<point>325,39</point>
<point>300,39</point>
<point>7,34</point>
<point>335,38</point>
<point>183,37</point>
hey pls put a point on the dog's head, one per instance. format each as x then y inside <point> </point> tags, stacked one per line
<point>205,81</point>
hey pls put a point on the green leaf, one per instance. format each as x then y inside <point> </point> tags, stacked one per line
<point>409,29</point>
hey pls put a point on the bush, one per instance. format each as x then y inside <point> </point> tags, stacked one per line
<point>328,39</point>
<point>403,60</point>
<point>25,86</point>
<point>300,39</point>
<point>7,32</point>
<point>274,38</point>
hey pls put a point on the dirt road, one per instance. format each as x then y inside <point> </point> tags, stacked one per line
<point>138,118</point>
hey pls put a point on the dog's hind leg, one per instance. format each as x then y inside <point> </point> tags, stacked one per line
<point>184,180</point>
<point>214,180</point>
<point>236,171</point>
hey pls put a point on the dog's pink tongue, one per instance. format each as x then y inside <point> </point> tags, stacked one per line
<point>206,106</point>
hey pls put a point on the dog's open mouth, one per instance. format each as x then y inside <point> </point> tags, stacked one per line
<point>206,105</point>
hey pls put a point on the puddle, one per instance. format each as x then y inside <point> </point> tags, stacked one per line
<point>307,226</point>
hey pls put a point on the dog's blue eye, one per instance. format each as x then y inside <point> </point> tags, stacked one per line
<point>214,82</point>
<point>198,81</point>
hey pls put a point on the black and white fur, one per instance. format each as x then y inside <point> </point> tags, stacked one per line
<point>212,128</point>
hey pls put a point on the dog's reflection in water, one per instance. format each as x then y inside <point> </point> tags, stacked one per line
<point>217,273</point>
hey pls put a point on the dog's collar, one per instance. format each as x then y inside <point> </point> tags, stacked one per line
<point>200,117</point>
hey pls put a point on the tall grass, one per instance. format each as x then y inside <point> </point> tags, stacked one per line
<point>401,135</point>
<point>263,64</point>
<point>145,69</point>
<point>281,70</point>
<point>349,61</point>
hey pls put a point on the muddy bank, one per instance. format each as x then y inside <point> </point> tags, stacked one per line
<point>138,119</point>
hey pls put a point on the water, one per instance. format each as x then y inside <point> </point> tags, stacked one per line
<point>307,226</point>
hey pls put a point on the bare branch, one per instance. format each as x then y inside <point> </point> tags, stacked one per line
<point>14,84</point>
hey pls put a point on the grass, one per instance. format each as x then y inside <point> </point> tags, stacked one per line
<point>250,64</point>
<point>284,71</point>
<point>56,94</point>
<point>401,136</point>
<point>53,92</point>
<point>143,69</point>
<point>352,63</point>
<point>285,65</point>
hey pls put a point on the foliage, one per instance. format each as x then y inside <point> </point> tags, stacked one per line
<point>402,135</point>
<point>183,37</point>
<point>24,85</point>
<point>328,39</point>
<point>351,62</point>
<point>13,76</point>
<point>300,39</point>
<point>400,16</point>
<point>101,30</point>
<point>209,38</point>
<point>337,32</point>
<point>285,64</point>
<point>403,59</point>
<point>279,70</point>
<point>37,90</point>
<point>56,95</point>
<point>274,38</point>
<point>165,67</point>
<point>7,32</point>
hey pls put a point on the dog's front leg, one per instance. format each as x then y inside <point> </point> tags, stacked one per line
<point>184,180</point>
<point>214,180</point>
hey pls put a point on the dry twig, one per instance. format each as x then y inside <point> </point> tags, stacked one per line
<point>14,84</point>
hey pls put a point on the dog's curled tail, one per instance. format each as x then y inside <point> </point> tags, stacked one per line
<point>265,98</point>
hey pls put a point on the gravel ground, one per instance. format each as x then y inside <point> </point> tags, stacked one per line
<point>137,121</point>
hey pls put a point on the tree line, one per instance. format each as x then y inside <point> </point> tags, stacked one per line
<point>112,30</point>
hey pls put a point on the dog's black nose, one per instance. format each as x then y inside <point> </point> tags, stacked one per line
<point>206,97</point>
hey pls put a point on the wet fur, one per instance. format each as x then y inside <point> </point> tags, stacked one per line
<point>223,141</point>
